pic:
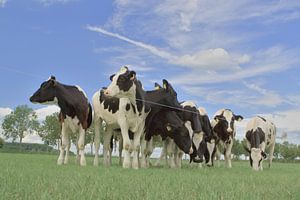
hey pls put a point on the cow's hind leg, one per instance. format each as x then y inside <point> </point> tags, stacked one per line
<point>97,124</point>
<point>272,147</point>
<point>66,160</point>
<point>136,148</point>
<point>81,146</point>
<point>106,146</point>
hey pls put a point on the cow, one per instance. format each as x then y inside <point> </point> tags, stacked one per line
<point>224,128</point>
<point>207,145</point>
<point>209,137</point>
<point>260,135</point>
<point>175,134</point>
<point>75,114</point>
<point>122,105</point>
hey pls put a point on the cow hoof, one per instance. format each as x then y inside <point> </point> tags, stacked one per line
<point>60,161</point>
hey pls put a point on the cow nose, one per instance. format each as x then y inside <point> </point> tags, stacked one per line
<point>198,160</point>
<point>229,130</point>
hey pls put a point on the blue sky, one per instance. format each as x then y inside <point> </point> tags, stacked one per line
<point>242,55</point>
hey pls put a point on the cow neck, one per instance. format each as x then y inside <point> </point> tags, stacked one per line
<point>139,100</point>
<point>66,104</point>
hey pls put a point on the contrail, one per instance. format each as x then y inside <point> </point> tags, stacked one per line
<point>152,49</point>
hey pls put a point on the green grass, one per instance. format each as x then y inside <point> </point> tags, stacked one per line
<point>32,176</point>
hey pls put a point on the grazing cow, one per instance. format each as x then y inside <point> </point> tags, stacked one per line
<point>209,138</point>
<point>191,114</point>
<point>191,118</point>
<point>175,134</point>
<point>75,113</point>
<point>260,134</point>
<point>223,124</point>
<point>123,106</point>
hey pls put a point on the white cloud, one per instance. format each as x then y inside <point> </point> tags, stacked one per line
<point>43,112</point>
<point>211,59</point>
<point>2,3</point>
<point>152,49</point>
<point>51,2</point>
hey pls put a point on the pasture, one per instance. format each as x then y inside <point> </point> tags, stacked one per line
<point>32,176</point>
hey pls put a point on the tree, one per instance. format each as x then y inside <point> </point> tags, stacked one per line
<point>1,142</point>
<point>20,122</point>
<point>50,130</point>
<point>237,149</point>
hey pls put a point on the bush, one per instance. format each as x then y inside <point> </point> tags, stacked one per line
<point>1,142</point>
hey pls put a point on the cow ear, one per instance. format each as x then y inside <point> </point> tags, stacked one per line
<point>111,77</point>
<point>165,84</point>
<point>218,118</point>
<point>132,75</point>
<point>157,86</point>
<point>238,117</point>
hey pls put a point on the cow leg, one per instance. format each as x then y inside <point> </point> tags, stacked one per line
<point>97,123</point>
<point>136,148</point>
<point>272,147</point>
<point>178,158</point>
<point>150,148</point>
<point>64,143</point>
<point>210,148</point>
<point>120,150</point>
<point>106,146</point>
<point>170,152</point>
<point>143,152</point>
<point>66,160</point>
<point>126,142</point>
<point>227,155</point>
<point>81,146</point>
<point>217,156</point>
<point>163,155</point>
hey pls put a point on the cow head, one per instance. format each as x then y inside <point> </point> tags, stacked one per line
<point>177,130</point>
<point>167,96</point>
<point>122,84</point>
<point>225,121</point>
<point>46,94</point>
<point>256,156</point>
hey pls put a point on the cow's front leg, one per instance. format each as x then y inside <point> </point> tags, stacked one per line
<point>126,142</point>
<point>81,146</point>
<point>120,150</point>
<point>227,155</point>
<point>163,155</point>
<point>64,143</point>
<point>97,124</point>
<point>106,146</point>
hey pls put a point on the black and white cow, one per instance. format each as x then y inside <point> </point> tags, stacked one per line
<point>209,138</point>
<point>224,128</point>
<point>75,114</point>
<point>175,135</point>
<point>260,135</point>
<point>191,118</point>
<point>123,106</point>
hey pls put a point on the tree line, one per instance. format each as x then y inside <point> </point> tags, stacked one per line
<point>23,121</point>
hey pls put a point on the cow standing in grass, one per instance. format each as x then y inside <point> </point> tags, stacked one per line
<point>122,105</point>
<point>224,128</point>
<point>75,114</point>
<point>260,135</point>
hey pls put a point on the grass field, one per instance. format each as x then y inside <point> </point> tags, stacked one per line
<point>31,176</point>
